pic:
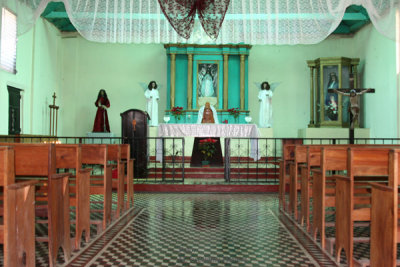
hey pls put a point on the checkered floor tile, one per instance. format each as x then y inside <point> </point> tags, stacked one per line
<point>204,230</point>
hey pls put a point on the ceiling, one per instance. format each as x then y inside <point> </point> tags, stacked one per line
<point>353,20</point>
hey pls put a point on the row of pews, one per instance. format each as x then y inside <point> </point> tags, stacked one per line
<point>358,184</point>
<point>44,183</point>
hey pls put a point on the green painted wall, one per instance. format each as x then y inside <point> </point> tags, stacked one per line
<point>287,64</point>
<point>117,68</point>
<point>76,69</point>
<point>378,70</point>
<point>38,75</point>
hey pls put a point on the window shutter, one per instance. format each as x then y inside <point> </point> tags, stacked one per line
<point>8,45</point>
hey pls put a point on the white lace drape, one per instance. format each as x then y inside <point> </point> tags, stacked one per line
<point>246,21</point>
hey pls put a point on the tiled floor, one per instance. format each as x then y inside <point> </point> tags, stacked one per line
<point>200,230</point>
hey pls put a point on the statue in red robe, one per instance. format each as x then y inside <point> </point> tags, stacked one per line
<point>101,120</point>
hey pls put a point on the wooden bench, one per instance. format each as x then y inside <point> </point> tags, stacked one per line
<point>300,158</point>
<point>114,155</point>
<point>384,216</point>
<point>323,189</point>
<point>97,155</point>
<point>313,160</point>
<point>284,177</point>
<point>17,233</point>
<point>126,157</point>
<point>39,160</point>
<point>353,194</point>
<point>69,157</point>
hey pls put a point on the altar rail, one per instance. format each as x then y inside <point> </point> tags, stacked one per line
<point>239,166</point>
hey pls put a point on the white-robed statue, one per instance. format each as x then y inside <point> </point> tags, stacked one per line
<point>207,114</point>
<point>152,97</point>
<point>265,98</point>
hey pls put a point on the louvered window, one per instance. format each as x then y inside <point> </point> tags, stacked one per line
<point>8,44</point>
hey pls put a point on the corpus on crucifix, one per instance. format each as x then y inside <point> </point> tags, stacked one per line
<point>353,94</point>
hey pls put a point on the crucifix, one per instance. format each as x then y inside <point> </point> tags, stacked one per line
<point>53,116</point>
<point>353,94</point>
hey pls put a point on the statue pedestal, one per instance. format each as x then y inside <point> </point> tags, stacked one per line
<point>100,138</point>
<point>332,133</point>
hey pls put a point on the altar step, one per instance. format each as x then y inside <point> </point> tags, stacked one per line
<point>263,160</point>
<point>216,173</point>
<point>200,188</point>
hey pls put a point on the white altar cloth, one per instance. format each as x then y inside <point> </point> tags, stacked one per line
<point>210,130</point>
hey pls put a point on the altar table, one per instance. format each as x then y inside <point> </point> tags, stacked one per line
<point>210,130</point>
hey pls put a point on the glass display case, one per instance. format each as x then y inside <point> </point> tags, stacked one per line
<point>330,109</point>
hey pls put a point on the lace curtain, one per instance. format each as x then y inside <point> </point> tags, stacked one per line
<point>246,21</point>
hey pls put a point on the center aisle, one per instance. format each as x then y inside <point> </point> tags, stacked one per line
<point>204,230</point>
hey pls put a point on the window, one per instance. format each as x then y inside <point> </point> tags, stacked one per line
<point>8,44</point>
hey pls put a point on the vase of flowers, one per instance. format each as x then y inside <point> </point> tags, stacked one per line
<point>207,148</point>
<point>235,113</point>
<point>177,112</point>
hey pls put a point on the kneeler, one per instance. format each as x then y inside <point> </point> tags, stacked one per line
<point>197,157</point>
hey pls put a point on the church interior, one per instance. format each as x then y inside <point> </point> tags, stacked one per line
<point>204,133</point>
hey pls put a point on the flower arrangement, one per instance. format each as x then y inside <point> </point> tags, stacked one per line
<point>207,147</point>
<point>332,111</point>
<point>234,112</point>
<point>177,112</point>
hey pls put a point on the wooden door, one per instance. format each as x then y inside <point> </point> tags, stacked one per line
<point>14,108</point>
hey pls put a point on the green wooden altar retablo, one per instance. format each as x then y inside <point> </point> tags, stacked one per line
<point>217,74</point>
<point>330,109</point>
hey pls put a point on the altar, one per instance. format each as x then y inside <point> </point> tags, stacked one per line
<point>209,130</point>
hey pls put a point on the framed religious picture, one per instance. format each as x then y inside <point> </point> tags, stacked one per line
<point>330,109</point>
<point>207,81</point>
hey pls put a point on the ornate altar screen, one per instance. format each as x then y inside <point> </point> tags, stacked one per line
<point>207,73</point>
<point>330,109</point>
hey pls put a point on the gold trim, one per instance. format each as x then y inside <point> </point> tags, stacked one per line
<point>242,82</point>
<point>311,97</point>
<point>173,58</point>
<point>226,80</point>
<point>190,81</point>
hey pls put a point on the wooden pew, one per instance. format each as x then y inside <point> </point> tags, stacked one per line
<point>39,160</point>
<point>300,158</point>
<point>114,155</point>
<point>69,157</point>
<point>284,177</point>
<point>17,233</point>
<point>97,155</point>
<point>365,163</point>
<point>384,217</point>
<point>126,157</point>
<point>313,160</point>
<point>333,158</point>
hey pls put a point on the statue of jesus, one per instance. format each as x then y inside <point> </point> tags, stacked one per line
<point>354,106</point>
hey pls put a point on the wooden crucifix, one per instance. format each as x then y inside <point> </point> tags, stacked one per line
<point>353,94</point>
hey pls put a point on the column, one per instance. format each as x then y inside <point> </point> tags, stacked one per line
<point>226,81</point>
<point>242,84</point>
<point>190,81</point>
<point>172,85</point>
<point>311,97</point>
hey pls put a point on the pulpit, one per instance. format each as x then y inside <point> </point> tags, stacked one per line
<point>134,132</point>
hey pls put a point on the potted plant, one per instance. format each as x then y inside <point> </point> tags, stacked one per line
<point>207,148</point>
